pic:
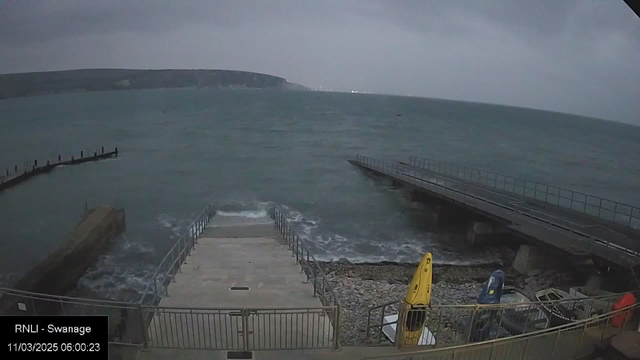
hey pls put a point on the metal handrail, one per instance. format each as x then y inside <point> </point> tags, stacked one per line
<point>499,306</point>
<point>312,269</point>
<point>153,326</point>
<point>620,213</point>
<point>460,187</point>
<point>174,259</point>
<point>314,272</point>
<point>566,329</point>
<point>62,298</point>
<point>376,314</point>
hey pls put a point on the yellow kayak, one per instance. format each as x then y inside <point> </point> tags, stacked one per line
<point>419,294</point>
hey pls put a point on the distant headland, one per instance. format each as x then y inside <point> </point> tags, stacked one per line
<point>83,80</point>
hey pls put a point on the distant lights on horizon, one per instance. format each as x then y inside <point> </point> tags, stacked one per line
<point>322,88</point>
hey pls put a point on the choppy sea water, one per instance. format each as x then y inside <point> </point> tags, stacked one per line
<point>245,151</point>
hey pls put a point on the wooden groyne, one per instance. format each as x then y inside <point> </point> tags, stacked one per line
<point>9,179</point>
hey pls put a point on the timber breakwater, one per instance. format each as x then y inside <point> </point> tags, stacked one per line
<point>18,175</point>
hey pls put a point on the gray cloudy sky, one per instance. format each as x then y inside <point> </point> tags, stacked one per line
<point>577,56</point>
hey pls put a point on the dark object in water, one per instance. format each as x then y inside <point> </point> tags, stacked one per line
<point>398,114</point>
<point>492,289</point>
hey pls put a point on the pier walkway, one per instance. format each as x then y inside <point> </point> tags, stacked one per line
<point>580,224</point>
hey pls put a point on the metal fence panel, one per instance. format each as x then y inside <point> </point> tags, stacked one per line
<point>242,329</point>
<point>461,324</point>
<point>191,328</point>
<point>569,341</point>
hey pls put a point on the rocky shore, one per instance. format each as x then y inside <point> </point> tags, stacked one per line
<point>360,286</point>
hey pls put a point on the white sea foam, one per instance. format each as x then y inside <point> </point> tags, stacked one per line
<point>329,246</point>
<point>119,271</point>
<point>255,214</point>
<point>177,226</point>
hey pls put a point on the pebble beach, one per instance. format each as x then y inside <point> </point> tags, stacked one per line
<point>360,286</point>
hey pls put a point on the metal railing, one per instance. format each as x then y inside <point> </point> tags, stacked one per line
<point>312,269</point>
<point>243,329</point>
<point>126,320</point>
<point>589,204</point>
<point>460,324</point>
<point>173,260</point>
<point>603,241</point>
<point>321,286</point>
<point>149,326</point>
<point>570,341</point>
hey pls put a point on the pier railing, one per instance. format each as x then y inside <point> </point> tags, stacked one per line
<point>589,204</point>
<point>597,239</point>
<point>173,260</point>
<point>452,325</point>
<point>574,340</point>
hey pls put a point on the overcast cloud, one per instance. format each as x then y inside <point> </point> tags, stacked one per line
<point>576,56</point>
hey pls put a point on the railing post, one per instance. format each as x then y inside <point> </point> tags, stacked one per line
<point>143,327</point>
<point>526,346</point>
<point>584,329</point>
<point>493,348</point>
<point>402,317</point>
<point>295,246</point>
<point>186,251</point>
<point>555,344</point>
<point>173,261</point>
<point>471,323</point>
<point>245,329</point>
<point>315,280</point>
<point>155,286</point>
<point>336,328</point>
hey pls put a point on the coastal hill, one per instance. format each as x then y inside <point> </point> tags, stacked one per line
<point>55,82</point>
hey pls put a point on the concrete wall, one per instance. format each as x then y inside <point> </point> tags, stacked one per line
<point>530,257</point>
<point>58,272</point>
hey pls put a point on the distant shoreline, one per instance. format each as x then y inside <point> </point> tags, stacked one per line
<point>19,85</point>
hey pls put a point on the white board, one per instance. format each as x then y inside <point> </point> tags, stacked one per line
<point>389,330</point>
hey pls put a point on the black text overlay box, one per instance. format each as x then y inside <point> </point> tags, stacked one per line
<point>72,337</point>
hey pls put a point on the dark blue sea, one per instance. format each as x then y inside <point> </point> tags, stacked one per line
<point>246,150</point>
